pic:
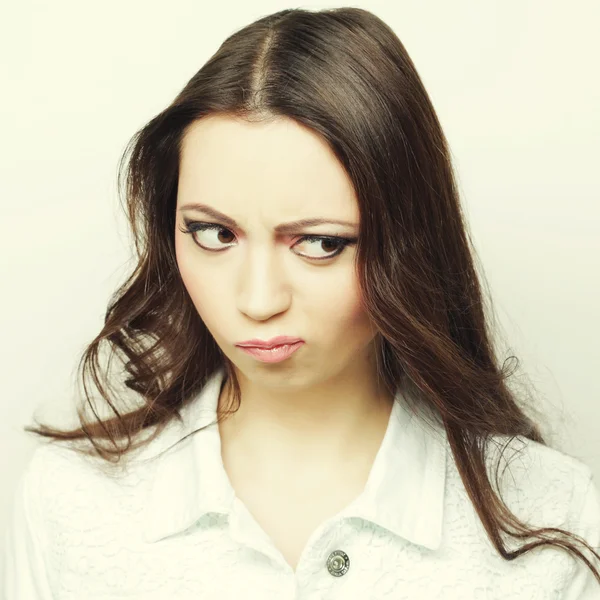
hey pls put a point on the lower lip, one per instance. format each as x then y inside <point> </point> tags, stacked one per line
<point>275,355</point>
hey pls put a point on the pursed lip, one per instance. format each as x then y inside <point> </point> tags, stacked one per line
<point>276,341</point>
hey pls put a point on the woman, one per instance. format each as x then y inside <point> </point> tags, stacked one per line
<point>318,411</point>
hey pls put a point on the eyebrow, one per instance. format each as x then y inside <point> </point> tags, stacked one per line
<point>283,228</point>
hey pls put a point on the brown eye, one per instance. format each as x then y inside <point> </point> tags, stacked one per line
<point>332,246</point>
<point>203,234</point>
<point>223,235</point>
<point>216,238</point>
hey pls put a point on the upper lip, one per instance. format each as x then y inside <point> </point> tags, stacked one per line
<point>276,341</point>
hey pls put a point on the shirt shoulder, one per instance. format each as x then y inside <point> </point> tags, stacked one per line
<point>68,490</point>
<point>54,463</point>
<point>546,487</point>
<point>537,477</point>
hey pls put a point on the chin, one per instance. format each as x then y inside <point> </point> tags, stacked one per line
<point>285,375</point>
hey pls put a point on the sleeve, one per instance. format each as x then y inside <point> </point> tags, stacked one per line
<point>582,584</point>
<point>24,569</point>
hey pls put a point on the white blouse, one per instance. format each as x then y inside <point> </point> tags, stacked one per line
<point>173,528</point>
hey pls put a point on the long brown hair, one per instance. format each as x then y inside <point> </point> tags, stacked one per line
<point>344,74</point>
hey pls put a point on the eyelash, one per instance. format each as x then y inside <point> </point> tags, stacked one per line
<point>195,226</point>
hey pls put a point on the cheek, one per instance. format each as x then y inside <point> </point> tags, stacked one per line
<point>342,312</point>
<point>209,305</point>
<point>197,283</point>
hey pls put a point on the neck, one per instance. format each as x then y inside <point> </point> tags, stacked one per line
<point>333,420</point>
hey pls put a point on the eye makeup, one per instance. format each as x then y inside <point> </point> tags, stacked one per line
<point>193,227</point>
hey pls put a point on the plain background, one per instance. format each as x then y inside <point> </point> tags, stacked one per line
<point>514,83</point>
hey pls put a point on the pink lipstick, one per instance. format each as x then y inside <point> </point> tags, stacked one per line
<point>274,350</point>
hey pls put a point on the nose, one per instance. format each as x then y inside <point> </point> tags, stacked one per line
<point>263,289</point>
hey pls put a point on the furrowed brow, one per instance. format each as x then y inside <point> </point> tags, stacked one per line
<point>283,228</point>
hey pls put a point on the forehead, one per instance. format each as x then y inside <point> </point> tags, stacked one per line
<point>277,166</point>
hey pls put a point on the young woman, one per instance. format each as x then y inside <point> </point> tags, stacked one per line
<point>311,405</point>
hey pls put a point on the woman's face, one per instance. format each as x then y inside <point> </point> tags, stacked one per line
<point>249,280</point>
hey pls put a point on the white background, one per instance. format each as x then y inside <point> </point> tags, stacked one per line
<point>514,82</point>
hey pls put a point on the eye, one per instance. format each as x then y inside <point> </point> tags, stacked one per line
<point>222,235</point>
<point>217,235</point>
<point>331,245</point>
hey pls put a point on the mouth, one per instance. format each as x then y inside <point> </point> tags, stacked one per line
<point>279,340</point>
<point>274,354</point>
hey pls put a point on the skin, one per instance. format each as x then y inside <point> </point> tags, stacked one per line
<point>321,409</point>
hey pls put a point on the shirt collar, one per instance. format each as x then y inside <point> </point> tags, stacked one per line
<point>404,492</point>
